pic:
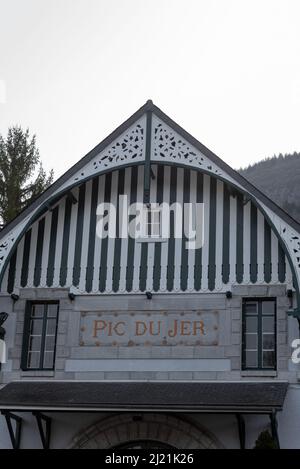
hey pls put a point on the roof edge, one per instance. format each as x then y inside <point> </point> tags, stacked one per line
<point>77,166</point>
<point>149,106</point>
<point>223,165</point>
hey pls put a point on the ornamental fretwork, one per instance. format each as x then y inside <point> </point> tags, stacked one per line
<point>170,146</point>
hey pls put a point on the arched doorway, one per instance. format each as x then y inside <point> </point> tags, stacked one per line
<point>144,444</point>
<point>150,431</point>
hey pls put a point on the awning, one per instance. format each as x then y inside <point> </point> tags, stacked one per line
<point>216,397</point>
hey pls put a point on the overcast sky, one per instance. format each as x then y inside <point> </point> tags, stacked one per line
<point>227,71</point>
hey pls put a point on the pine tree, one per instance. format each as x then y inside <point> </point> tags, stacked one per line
<point>19,183</point>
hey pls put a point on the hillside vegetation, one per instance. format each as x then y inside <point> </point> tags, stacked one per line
<point>279,178</point>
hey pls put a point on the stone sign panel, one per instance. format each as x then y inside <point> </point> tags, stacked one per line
<point>149,328</point>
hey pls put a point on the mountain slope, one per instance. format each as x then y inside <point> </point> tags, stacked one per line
<point>279,178</point>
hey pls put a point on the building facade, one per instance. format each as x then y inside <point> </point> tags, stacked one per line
<point>150,340</point>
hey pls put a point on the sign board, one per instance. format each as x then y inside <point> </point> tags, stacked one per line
<point>133,328</point>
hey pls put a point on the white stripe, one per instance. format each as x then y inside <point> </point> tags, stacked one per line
<point>205,249</point>
<point>219,235</point>
<point>191,252</point>
<point>45,254</point>
<point>246,244</point>
<point>232,239</point>
<point>85,235</point>
<point>98,240</point>
<point>288,274</point>
<point>274,257</point>
<point>124,241</point>
<point>5,280</point>
<point>138,246</point>
<point>32,254</point>
<point>165,246</point>
<point>111,241</point>
<point>59,242</point>
<point>178,241</point>
<point>19,261</point>
<point>260,246</point>
<point>72,239</point>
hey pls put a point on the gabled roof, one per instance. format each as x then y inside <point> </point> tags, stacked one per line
<point>150,107</point>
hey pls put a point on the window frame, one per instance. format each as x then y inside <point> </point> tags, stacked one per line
<point>149,222</point>
<point>26,335</point>
<point>260,316</point>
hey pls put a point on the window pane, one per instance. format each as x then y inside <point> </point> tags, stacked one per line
<point>251,324</point>
<point>51,327</point>
<point>36,327</point>
<point>37,311</point>
<point>268,324</point>
<point>251,308</point>
<point>268,307</point>
<point>48,359</point>
<point>155,216</point>
<point>35,344</point>
<point>268,342</point>
<point>251,341</point>
<point>156,229</point>
<point>49,343</point>
<point>269,359</point>
<point>251,359</point>
<point>33,360</point>
<point>41,330</point>
<point>52,311</point>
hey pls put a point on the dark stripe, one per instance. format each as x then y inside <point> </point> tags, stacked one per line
<point>92,236</point>
<point>131,241</point>
<point>12,272</point>
<point>198,252</point>
<point>157,250</point>
<point>171,243</point>
<point>65,243</point>
<point>118,241</point>
<point>144,246</point>
<point>52,247</point>
<point>267,252</point>
<point>39,253</point>
<point>184,250</point>
<point>147,165</point>
<point>281,264</point>
<point>253,244</point>
<point>104,244</point>
<point>78,239</point>
<point>226,223</point>
<point>239,238</point>
<point>212,235</point>
<point>25,261</point>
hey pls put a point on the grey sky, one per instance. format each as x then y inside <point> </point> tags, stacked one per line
<point>227,71</point>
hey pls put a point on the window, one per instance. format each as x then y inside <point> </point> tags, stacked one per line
<point>259,334</point>
<point>39,340</point>
<point>153,223</point>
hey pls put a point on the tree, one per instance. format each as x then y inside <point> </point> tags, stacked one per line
<point>265,441</point>
<point>19,182</point>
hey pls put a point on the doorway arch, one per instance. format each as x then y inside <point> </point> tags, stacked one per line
<point>139,430</point>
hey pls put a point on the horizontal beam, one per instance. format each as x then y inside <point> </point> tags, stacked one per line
<point>233,410</point>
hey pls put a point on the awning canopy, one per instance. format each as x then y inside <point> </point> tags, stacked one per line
<point>215,397</point>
